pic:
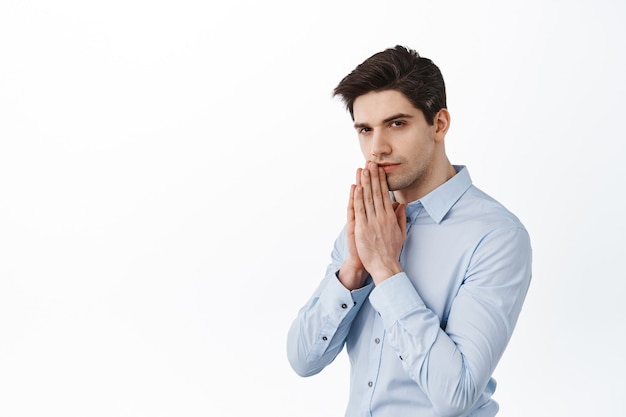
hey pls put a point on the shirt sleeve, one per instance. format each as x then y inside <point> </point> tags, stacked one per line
<point>453,366</point>
<point>318,333</point>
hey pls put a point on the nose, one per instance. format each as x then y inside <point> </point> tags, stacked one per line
<point>380,145</point>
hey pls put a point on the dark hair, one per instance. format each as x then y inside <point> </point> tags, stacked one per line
<point>401,69</point>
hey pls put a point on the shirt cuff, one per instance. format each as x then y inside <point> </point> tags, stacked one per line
<point>395,298</point>
<point>338,300</point>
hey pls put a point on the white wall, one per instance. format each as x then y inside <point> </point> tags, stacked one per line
<point>173,174</point>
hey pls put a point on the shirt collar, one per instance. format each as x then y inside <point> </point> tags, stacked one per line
<point>438,202</point>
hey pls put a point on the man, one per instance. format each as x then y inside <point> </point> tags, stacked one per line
<point>428,276</point>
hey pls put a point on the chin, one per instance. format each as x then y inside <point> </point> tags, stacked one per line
<point>393,186</point>
<point>399,183</point>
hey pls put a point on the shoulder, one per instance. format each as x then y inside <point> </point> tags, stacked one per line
<point>484,212</point>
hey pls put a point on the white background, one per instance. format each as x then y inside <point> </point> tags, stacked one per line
<point>173,175</point>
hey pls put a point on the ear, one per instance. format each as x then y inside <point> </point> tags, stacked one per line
<point>442,123</point>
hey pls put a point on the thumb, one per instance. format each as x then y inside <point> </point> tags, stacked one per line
<point>400,211</point>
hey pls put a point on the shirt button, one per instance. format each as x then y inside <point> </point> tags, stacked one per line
<point>370,384</point>
<point>324,338</point>
<point>344,305</point>
<point>377,340</point>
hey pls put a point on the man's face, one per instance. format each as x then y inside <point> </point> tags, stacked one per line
<point>395,135</point>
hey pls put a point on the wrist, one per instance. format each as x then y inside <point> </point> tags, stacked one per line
<point>352,277</point>
<point>385,271</point>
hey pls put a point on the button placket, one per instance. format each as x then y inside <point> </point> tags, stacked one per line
<point>375,353</point>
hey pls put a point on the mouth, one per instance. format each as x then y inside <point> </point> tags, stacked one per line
<point>388,167</point>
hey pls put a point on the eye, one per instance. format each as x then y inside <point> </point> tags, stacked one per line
<point>364,130</point>
<point>397,123</point>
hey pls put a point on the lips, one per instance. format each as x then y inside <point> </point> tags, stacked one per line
<point>388,167</point>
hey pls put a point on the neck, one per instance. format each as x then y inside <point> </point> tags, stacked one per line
<point>431,180</point>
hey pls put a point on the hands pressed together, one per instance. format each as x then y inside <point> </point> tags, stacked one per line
<point>375,230</point>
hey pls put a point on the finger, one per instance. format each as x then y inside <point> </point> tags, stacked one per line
<point>360,215</point>
<point>352,191</point>
<point>377,197</point>
<point>350,213</point>
<point>366,187</point>
<point>384,188</point>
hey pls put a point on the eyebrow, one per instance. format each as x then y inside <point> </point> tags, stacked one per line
<point>387,120</point>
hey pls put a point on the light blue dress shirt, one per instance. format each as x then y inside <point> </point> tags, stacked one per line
<point>426,341</point>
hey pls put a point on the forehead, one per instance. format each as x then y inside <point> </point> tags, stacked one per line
<point>379,105</point>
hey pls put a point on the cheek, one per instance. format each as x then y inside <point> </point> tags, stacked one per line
<point>419,145</point>
<point>364,146</point>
